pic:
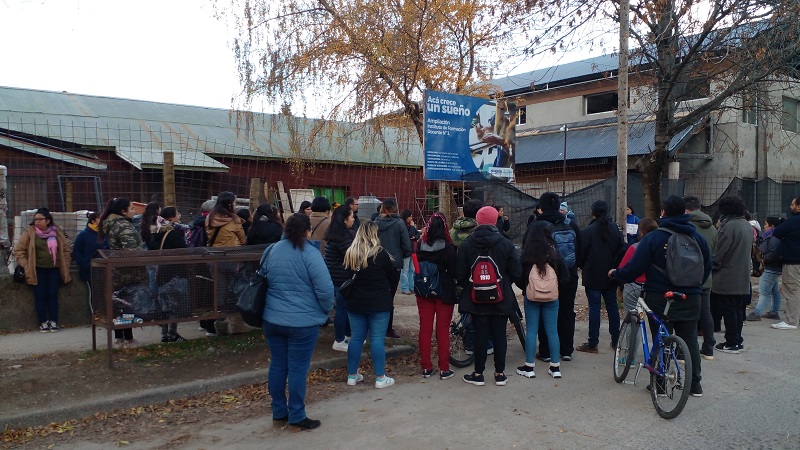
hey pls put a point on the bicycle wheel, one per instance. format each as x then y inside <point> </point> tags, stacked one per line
<point>670,389</point>
<point>458,341</point>
<point>626,347</point>
<point>519,326</point>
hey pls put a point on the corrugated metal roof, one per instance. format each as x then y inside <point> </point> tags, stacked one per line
<point>540,78</point>
<point>148,158</point>
<point>52,152</point>
<point>598,141</point>
<point>113,122</point>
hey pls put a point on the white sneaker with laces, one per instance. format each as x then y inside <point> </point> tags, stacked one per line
<point>352,380</point>
<point>381,383</point>
<point>783,326</point>
<point>340,346</point>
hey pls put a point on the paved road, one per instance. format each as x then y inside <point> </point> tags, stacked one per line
<point>752,400</point>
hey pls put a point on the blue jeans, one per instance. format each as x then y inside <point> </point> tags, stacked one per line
<point>376,323</point>
<point>595,297</point>
<point>46,292</point>
<point>549,313</point>
<point>769,288</point>
<point>341,326</point>
<point>407,276</point>
<point>290,351</point>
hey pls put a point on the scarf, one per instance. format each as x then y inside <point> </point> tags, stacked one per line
<point>444,221</point>
<point>93,227</point>
<point>52,243</point>
<point>161,222</point>
<point>767,234</point>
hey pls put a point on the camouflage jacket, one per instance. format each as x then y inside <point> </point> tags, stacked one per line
<point>121,233</point>
<point>462,228</point>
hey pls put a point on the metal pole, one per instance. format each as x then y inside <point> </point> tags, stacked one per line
<point>564,166</point>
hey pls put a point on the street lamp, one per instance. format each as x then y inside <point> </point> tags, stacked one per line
<point>564,128</point>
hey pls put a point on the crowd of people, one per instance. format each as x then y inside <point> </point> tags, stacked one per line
<point>324,258</point>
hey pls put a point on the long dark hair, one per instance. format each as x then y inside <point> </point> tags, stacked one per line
<point>539,248</point>
<point>114,206</point>
<point>297,226</point>
<point>436,229</point>
<point>149,217</point>
<point>265,210</point>
<point>600,212</point>
<point>337,227</point>
<point>224,206</point>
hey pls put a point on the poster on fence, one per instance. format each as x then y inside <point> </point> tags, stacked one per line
<point>467,136</point>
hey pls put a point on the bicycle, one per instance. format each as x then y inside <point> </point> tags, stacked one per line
<point>461,339</point>
<point>669,363</point>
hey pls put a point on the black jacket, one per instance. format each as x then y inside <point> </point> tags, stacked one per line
<point>502,251</point>
<point>598,254</point>
<point>443,254</point>
<point>335,249</point>
<point>555,217</point>
<point>264,231</point>
<point>372,290</point>
<point>789,234</point>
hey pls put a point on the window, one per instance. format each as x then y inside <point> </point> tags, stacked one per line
<point>791,115</point>
<point>750,110</point>
<point>693,89</point>
<point>600,103</point>
<point>334,194</point>
<point>521,115</point>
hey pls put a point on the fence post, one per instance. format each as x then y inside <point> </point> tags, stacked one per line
<point>169,179</point>
<point>5,243</point>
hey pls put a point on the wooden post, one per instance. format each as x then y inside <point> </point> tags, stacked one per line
<point>68,188</point>
<point>622,116</point>
<point>255,193</point>
<point>169,179</point>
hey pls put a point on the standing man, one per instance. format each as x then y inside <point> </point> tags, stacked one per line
<point>705,228</point>
<point>503,224</point>
<point>320,221</point>
<point>352,202</point>
<point>567,236</point>
<point>789,234</point>
<point>650,259</point>
<point>730,287</point>
<point>464,226</point>
<point>600,241</point>
<point>394,239</point>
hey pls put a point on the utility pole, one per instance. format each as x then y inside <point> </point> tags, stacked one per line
<point>622,116</point>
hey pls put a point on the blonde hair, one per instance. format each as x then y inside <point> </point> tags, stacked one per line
<point>365,244</point>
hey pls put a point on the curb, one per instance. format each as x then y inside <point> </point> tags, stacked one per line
<point>88,408</point>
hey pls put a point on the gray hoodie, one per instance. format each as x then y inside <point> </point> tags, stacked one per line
<point>394,238</point>
<point>705,228</point>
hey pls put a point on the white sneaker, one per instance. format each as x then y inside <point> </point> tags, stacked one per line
<point>340,346</point>
<point>352,380</point>
<point>554,371</point>
<point>381,383</point>
<point>783,326</point>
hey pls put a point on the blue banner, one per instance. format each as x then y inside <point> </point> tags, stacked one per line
<point>468,135</point>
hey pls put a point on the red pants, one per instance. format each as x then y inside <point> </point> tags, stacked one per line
<point>428,307</point>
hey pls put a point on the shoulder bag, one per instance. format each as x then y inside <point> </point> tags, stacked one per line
<point>253,298</point>
<point>347,287</point>
<point>19,274</point>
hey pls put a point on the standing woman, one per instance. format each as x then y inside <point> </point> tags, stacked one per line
<point>299,298</point>
<point>370,302</point>
<point>164,235</point>
<point>45,254</point>
<point>266,227</point>
<point>631,225</point>
<point>338,238</point>
<point>86,245</point>
<point>224,229</point>
<point>437,247</point>
<point>539,251</point>
<point>117,227</point>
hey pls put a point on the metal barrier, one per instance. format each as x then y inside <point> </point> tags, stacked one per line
<point>156,287</point>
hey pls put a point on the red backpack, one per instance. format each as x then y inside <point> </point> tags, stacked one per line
<point>485,278</point>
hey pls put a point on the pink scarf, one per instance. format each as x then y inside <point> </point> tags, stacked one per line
<point>52,243</point>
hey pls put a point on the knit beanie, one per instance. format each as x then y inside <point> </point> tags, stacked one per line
<point>564,207</point>
<point>487,216</point>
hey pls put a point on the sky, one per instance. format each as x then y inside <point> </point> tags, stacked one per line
<point>170,51</point>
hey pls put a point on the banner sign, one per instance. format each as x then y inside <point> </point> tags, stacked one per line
<point>468,135</point>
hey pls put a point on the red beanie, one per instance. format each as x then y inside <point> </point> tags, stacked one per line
<point>487,216</point>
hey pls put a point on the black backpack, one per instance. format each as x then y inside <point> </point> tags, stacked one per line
<point>685,265</point>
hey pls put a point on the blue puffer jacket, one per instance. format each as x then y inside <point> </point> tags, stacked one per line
<point>650,253</point>
<point>300,292</point>
<point>83,250</point>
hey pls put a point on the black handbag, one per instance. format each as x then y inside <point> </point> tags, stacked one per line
<point>253,298</point>
<point>19,274</point>
<point>347,287</point>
